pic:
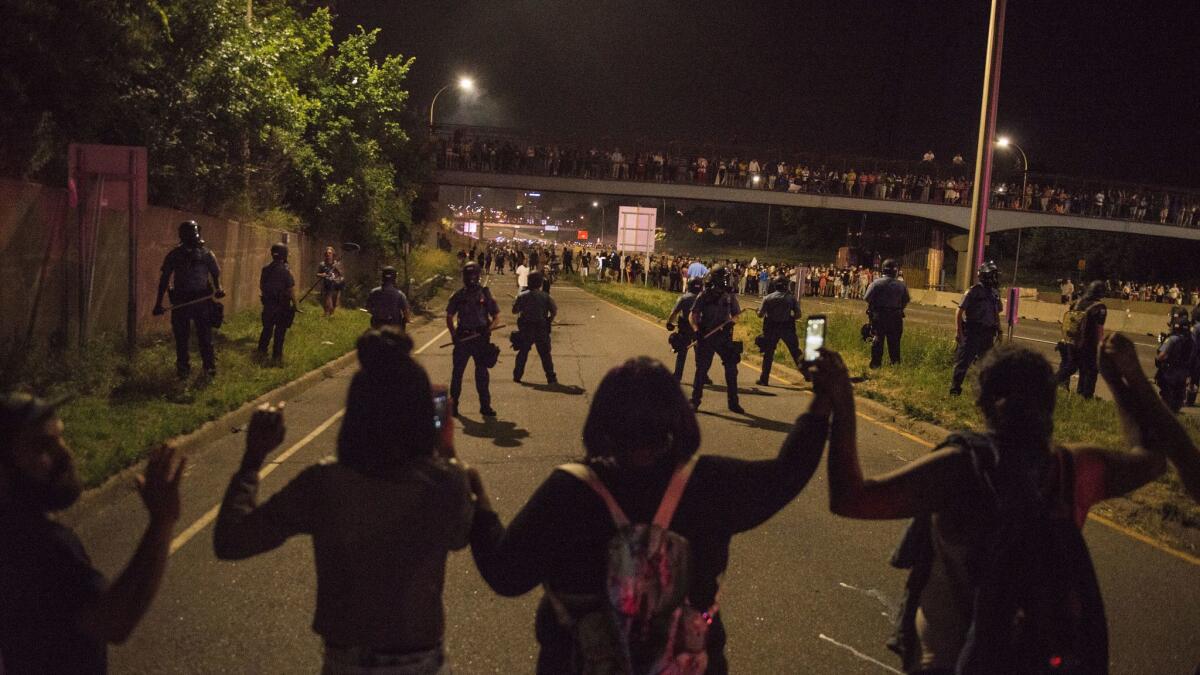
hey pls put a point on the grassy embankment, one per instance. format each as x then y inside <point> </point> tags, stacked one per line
<point>917,390</point>
<point>124,406</point>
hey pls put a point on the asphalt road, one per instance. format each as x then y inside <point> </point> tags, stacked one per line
<point>805,593</point>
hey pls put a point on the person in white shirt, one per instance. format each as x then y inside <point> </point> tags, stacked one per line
<point>522,275</point>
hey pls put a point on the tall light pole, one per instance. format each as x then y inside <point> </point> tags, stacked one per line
<point>596,204</point>
<point>981,189</point>
<point>1005,142</point>
<point>464,83</point>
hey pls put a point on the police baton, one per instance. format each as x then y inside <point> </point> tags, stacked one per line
<point>172,308</point>
<point>468,339</point>
<point>320,278</point>
<point>712,332</point>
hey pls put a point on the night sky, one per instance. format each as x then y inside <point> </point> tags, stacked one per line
<point>1099,88</point>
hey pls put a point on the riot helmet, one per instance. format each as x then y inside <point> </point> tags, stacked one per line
<point>718,278</point>
<point>890,267</point>
<point>695,284</point>
<point>389,274</point>
<point>1179,319</point>
<point>989,274</point>
<point>470,275</point>
<point>189,234</point>
<point>279,252</point>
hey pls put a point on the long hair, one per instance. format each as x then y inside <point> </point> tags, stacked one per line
<point>639,407</point>
<point>389,410</point>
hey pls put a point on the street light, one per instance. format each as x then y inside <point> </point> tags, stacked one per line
<point>1006,142</point>
<point>464,83</point>
<point>596,204</point>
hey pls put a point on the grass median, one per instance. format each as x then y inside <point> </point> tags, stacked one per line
<point>123,406</point>
<point>918,389</point>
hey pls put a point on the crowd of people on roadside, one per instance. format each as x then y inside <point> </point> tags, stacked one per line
<point>921,181</point>
<point>1157,292</point>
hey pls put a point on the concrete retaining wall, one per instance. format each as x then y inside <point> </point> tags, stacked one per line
<point>40,278</point>
<point>1120,320</point>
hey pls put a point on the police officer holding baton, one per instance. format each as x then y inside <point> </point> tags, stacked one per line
<point>712,318</point>
<point>477,314</point>
<point>278,293</point>
<point>886,299</point>
<point>977,321</point>
<point>681,340</point>
<point>387,304</point>
<point>535,311</point>
<point>187,270</point>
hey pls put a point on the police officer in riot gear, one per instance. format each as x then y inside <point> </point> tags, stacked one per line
<point>886,299</point>
<point>191,271</point>
<point>1083,331</point>
<point>278,292</point>
<point>387,303</point>
<point>1194,368</point>
<point>977,321</point>
<point>779,311</point>
<point>1174,359</point>
<point>712,318</point>
<point>681,340</point>
<point>535,311</point>
<point>470,317</point>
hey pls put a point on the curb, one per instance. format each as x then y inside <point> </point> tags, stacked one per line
<point>119,483</point>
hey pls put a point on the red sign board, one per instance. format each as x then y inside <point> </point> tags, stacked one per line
<point>581,234</point>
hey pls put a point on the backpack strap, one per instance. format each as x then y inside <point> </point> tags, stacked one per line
<point>670,500</point>
<point>584,473</point>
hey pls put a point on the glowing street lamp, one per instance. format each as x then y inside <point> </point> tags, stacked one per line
<point>1006,142</point>
<point>464,83</point>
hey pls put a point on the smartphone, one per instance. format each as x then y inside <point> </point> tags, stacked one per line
<point>814,337</point>
<point>443,422</point>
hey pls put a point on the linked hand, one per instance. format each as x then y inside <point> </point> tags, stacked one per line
<point>159,486</point>
<point>264,434</point>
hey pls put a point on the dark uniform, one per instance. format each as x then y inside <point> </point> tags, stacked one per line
<point>1194,369</point>
<point>683,307</point>
<point>981,322</point>
<point>188,269</point>
<point>714,307</point>
<point>1084,356</point>
<point>474,307</point>
<point>779,312</point>
<point>279,308</point>
<point>536,311</point>
<point>886,299</point>
<point>388,305</point>
<point>1174,360</point>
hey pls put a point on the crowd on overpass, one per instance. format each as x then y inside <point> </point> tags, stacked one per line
<point>868,179</point>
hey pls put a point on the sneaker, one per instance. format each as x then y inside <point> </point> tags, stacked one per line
<point>552,380</point>
<point>487,411</point>
<point>762,382</point>
<point>735,408</point>
<point>516,378</point>
<point>695,405</point>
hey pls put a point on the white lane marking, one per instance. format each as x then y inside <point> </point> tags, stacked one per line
<point>187,535</point>
<point>859,654</point>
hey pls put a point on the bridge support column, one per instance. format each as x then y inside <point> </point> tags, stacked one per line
<point>936,256</point>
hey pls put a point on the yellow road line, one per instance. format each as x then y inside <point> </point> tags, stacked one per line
<point>195,528</point>
<point>1132,534</point>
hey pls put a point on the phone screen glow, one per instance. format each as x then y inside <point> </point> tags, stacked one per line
<point>814,338</point>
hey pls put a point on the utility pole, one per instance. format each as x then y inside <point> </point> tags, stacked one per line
<point>981,189</point>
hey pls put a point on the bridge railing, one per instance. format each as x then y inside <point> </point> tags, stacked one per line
<point>522,152</point>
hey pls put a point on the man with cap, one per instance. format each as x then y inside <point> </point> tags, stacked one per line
<point>57,612</point>
<point>1083,331</point>
<point>471,316</point>
<point>187,270</point>
<point>387,304</point>
<point>712,318</point>
<point>278,292</point>
<point>977,321</point>
<point>535,311</point>
<point>886,299</point>
<point>779,311</point>
<point>682,339</point>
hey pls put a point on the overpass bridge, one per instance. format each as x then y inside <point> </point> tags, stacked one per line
<point>954,216</point>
